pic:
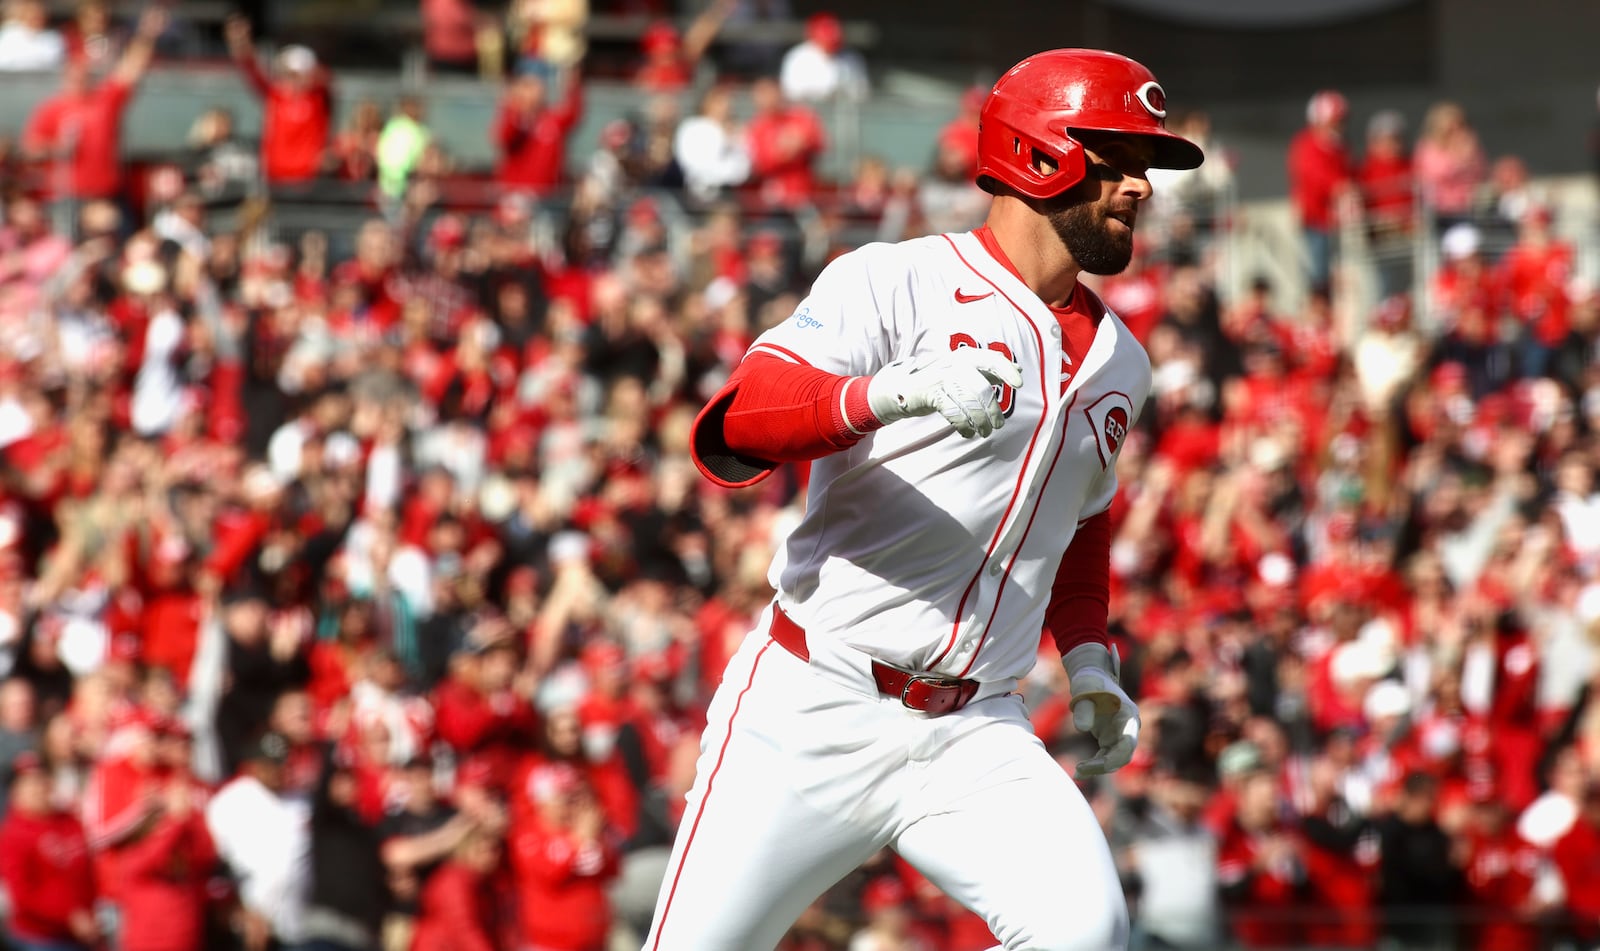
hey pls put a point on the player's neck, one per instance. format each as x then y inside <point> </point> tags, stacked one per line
<point>1033,250</point>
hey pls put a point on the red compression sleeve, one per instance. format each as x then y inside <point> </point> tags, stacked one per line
<point>772,411</point>
<point>1080,598</point>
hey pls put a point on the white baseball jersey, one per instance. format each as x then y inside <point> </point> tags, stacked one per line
<point>921,548</point>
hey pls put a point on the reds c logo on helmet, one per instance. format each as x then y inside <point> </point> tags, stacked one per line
<point>1034,110</point>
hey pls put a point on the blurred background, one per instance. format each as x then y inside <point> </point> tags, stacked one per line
<point>357,590</point>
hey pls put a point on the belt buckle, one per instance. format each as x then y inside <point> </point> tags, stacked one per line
<point>934,681</point>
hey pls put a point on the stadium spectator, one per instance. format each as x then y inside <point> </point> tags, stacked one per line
<point>1420,884</point>
<point>220,160</point>
<point>1468,297</point>
<point>263,836</point>
<point>19,720</point>
<point>1510,196</point>
<point>1260,867</point>
<point>348,891</point>
<point>821,68</point>
<point>166,871</point>
<point>297,106</point>
<point>400,146</point>
<point>265,657</point>
<point>785,141</point>
<point>948,200</point>
<point>457,909</point>
<point>1387,187</point>
<point>1387,355</point>
<point>46,866</point>
<point>672,58</point>
<point>604,774</point>
<point>27,41</point>
<point>1174,864</point>
<point>1450,165</point>
<point>531,132</point>
<point>1341,856</point>
<point>354,148</point>
<point>753,52</point>
<point>1574,858</point>
<point>1388,196</point>
<point>419,833</point>
<point>1319,176</point>
<point>480,715</point>
<point>890,924</point>
<point>564,854</point>
<point>121,797</point>
<point>710,147</point>
<point>1190,197</point>
<point>548,35</point>
<point>450,35</point>
<point>79,130</point>
<point>960,134</point>
<point>1535,274</point>
<point>91,38</point>
<point>1502,874</point>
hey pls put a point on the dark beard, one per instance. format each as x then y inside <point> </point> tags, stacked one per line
<point>1097,248</point>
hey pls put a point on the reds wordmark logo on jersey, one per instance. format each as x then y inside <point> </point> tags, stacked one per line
<point>1109,417</point>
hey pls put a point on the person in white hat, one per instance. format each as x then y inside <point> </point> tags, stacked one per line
<point>296,103</point>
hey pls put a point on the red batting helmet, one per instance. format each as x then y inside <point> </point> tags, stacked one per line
<point>1040,103</point>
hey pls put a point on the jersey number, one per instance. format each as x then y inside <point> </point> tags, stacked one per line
<point>1004,393</point>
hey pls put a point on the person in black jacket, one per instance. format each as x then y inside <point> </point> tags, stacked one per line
<point>349,884</point>
<point>265,659</point>
<point>1419,882</point>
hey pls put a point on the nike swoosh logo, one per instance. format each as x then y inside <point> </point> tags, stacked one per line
<point>969,298</point>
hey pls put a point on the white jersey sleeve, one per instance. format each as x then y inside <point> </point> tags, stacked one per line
<point>854,320</point>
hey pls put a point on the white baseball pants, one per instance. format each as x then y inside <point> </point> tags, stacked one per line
<point>806,771</point>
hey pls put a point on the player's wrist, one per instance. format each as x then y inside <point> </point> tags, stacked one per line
<point>1093,656</point>
<point>886,397</point>
<point>856,414</point>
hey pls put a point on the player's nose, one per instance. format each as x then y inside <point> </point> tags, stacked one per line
<point>1136,187</point>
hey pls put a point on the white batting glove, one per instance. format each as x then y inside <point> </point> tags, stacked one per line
<point>958,385</point>
<point>1101,708</point>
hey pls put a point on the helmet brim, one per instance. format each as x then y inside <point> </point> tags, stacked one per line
<point>1175,151</point>
<point>1171,150</point>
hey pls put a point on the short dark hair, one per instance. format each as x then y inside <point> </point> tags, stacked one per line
<point>1418,783</point>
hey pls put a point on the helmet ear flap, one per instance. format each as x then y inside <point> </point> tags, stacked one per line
<point>1074,165</point>
<point>1060,169</point>
<point>1038,164</point>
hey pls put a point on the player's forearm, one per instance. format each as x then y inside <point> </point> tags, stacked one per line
<point>785,412</point>
<point>1079,611</point>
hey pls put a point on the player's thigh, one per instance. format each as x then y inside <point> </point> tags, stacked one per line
<point>751,850</point>
<point>1008,834</point>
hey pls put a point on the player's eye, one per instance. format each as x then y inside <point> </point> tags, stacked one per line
<point>1105,172</point>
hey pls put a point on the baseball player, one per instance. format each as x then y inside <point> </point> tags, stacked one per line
<point>964,399</point>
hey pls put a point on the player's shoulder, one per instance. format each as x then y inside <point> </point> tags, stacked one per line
<point>883,252</point>
<point>883,262</point>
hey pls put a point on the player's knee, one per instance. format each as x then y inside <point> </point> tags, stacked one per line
<point>1097,925</point>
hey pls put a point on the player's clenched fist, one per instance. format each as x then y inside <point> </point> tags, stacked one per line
<point>1101,708</point>
<point>959,385</point>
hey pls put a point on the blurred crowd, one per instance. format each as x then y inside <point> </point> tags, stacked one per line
<point>370,599</point>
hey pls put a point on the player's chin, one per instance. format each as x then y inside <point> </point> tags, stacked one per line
<point>1112,255</point>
